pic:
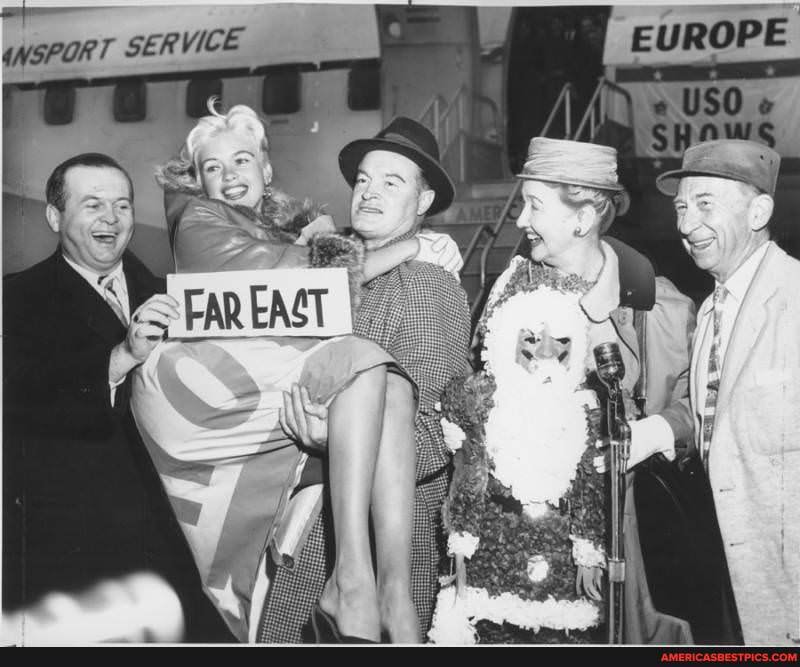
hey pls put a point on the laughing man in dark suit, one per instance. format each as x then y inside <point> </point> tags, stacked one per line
<point>81,500</point>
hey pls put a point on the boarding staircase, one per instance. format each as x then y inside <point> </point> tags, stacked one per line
<point>473,156</point>
<point>467,129</point>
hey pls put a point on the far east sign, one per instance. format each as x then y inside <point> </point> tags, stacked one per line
<point>278,302</point>
<point>697,73</point>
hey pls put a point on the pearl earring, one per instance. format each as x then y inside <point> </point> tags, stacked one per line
<point>576,232</point>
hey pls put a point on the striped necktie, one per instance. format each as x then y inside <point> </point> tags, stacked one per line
<point>714,371</point>
<point>112,299</point>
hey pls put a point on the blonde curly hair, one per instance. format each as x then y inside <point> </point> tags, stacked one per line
<point>184,169</point>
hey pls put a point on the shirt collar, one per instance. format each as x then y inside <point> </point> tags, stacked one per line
<point>409,234</point>
<point>603,297</point>
<point>739,282</point>
<point>91,276</point>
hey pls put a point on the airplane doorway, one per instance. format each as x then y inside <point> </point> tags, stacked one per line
<point>548,47</point>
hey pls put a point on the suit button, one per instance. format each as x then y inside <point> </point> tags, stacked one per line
<point>287,561</point>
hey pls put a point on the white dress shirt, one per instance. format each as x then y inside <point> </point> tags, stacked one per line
<point>121,288</point>
<point>95,279</point>
<point>736,286</point>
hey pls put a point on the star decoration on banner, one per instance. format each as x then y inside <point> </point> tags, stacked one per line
<point>226,599</point>
<point>769,70</point>
<point>657,164</point>
<point>713,74</point>
<point>657,75</point>
<point>765,106</point>
<point>660,108</point>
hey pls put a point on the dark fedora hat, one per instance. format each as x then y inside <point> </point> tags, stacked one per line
<point>735,159</point>
<point>413,140</point>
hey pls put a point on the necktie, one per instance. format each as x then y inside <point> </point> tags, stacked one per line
<point>714,370</point>
<point>111,297</point>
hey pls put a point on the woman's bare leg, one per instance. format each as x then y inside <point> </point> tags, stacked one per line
<point>393,511</point>
<point>354,430</point>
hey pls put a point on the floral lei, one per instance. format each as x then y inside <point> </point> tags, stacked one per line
<point>525,504</point>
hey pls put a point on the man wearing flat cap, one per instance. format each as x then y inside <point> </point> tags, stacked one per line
<point>745,376</point>
<point>418,313</point>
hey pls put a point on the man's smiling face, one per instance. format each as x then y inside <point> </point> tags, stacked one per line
<point>387,197</point>
<point>97,221</point>
<point>714,220</point>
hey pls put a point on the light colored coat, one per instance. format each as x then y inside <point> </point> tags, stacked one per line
<point>670,327</point>
<point>754,457</point>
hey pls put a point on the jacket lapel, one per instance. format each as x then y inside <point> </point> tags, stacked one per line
<point>694,368</point>
<point>749,324</point>
<point>141,283</point>
<point>76,295</point>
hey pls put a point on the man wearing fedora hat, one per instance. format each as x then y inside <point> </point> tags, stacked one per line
<point>745,376</point>
<point>418,313</point>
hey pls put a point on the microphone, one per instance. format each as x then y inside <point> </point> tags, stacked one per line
<point>610,367</point>
<point>611,370</point>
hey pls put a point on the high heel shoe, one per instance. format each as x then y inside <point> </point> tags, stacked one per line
<point>326,631</point>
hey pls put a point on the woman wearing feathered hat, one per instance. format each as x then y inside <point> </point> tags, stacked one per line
<point>526,507</point>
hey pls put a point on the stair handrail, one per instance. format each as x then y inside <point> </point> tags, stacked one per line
<point>463,94</point>
<point>563,101</point>
<point>456,103</point>
<point>438,114</point>
<point>433,109</point>
<point>489,102</point>
<point>449,138</point>
<point>597,111</point>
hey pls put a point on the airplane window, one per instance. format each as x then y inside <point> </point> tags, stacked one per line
<point>6,106</point>
<point>364,86</point>
<point>59,104</point>
<point>197,93</point>
<point>281,91</point>
<point>130,101</point>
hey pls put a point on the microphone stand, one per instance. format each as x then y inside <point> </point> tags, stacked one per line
<point>611,370</point>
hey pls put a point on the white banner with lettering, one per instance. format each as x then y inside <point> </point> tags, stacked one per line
<point>657,35</point>
<point>670,116</point>
<point>279,302</point>
<point>91,42</point>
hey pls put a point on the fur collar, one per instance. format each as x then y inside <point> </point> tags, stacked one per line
<point>280,212</point>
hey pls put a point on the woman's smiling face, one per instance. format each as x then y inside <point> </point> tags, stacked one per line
<point>547,221</point>
<point>232,168</point>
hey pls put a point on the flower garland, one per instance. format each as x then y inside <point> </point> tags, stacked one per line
<point>453,621</point>
<point>525,504</point>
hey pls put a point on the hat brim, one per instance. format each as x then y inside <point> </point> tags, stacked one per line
<point>667,183</point>
<point>625,200</point>
<point>438,180</point>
